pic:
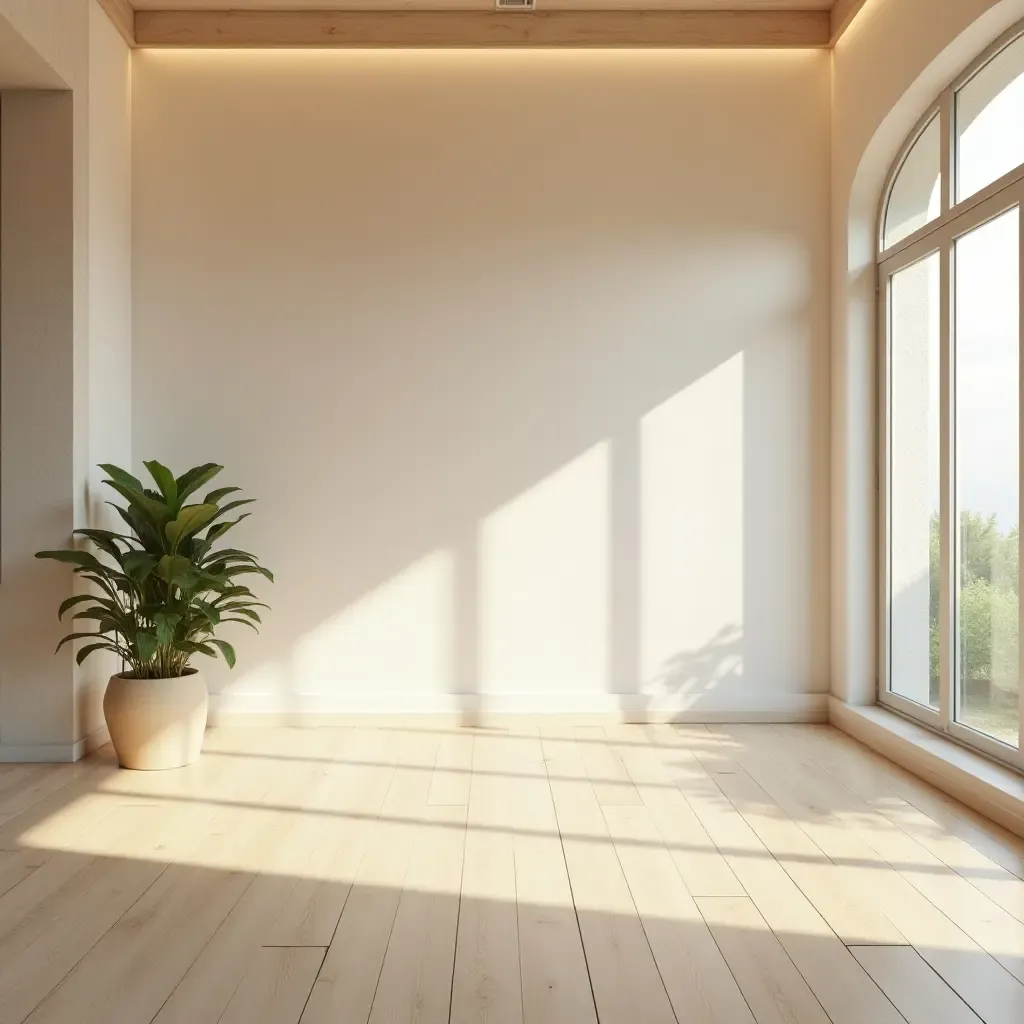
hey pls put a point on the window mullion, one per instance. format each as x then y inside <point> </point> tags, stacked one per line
<point>947,489</point>
<point>1020,477</point>
<point>947,137</point>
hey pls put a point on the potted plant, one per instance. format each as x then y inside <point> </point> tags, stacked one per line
<point>158,594</point>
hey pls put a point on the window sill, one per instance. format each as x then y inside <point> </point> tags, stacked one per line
<point>983,785</point>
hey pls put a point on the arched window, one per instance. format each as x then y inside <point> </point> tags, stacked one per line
<point>950,285</point>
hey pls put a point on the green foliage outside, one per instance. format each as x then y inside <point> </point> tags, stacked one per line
<point>988,601</point>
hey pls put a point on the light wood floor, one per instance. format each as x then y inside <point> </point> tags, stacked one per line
<point>548,875</point>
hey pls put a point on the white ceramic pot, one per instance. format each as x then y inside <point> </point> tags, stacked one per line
<point>156,723</point>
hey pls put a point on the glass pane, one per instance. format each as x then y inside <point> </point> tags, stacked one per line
<point>987,476</point>
<point>915,198</point>
<point>990,122</point>
<point>914,482</point>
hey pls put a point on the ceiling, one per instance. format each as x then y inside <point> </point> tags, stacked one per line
<point>475,23</point>
<point>310,5</point>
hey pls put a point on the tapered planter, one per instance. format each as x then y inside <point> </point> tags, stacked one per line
<point>156,723</point>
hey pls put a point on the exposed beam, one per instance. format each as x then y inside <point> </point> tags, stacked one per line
<point>483,28</point>
<point>122,14</point>
<point>843,14</point>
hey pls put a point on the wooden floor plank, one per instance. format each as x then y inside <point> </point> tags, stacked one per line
<point>416,977</point>
<point>335,831</point>
<point>698,980</point>
<point>555,978</point>
<point>542,873</point>
<point>773,987</point>
<point>449,784</point>
<point>608,776</point>
<point>209,984</point>
<point>874,777</point>
<point>703,868</point>
<point>134,968</point>
<point>914,988</point>
<point>993,928</point>
<point>623,973</point>
<point>487,983</point>
<point>944,834</point>
<point>348,981</point>
<point>854,918</point>
<point>824,810</point>
<point>840,984</point>
<point>276,986</point>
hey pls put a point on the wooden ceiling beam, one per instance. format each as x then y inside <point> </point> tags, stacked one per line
<point>474,29</point>
<point>122,14</point>
<point>843,13</point>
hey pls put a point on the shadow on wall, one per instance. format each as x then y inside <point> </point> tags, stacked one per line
<point>520,446</point>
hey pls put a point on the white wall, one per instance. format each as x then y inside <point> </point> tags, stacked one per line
<point>66,323</point>
<point>886,71</point>
<point>110,303</point>
<point>524,354</point>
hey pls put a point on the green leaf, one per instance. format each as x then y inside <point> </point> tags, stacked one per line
<point>138,565</point>
<point>194,648</point>
<point>71,602</point>
<point>230,554</point>
<point>208,610</point>
<point>121,476</point>
<point>214,497</point>
<point>244,622</point>
<point>190,519</point>
<point>196,478</point>
<point>166,623</point>
<point>165,481</point>
<point>232,505</point>
<point>146,644</point>
<point>91,649</point>
<point>78,636</point>
<point>227,650</point>
<point>241,570</point>
<point>155,511</point>
<point>219,529</point>
<point>174,569</point>
<point>82,559</point>
<point>104,540</point>
<point>137,523</point>
<point>246,610</point>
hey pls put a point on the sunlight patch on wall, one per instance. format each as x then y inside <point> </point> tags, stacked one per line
<point>397,639</point>
<point>544,578</point>
<point>691,572</point>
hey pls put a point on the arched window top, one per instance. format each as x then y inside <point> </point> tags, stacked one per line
<point>969,145</point>
<point>951,338</point>
<point>914,198</point>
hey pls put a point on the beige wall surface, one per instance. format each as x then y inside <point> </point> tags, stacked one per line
<point>66,347</point>
<point>110,304</point>
<point>886,71</point>
<point>525,356</point>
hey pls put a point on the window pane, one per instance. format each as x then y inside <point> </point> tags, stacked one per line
<point>987,468</point>
<point>914,482</point>
<point>990,122</point>
<point>915,196</point>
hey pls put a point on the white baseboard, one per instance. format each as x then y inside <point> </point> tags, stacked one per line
<point>53,753</point>
<point>230,709</point>
<point>39,753</point>
<point>93,742</point>
<point>982,784</point>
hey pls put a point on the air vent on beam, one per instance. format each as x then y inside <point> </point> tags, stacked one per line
<point>514,5</point>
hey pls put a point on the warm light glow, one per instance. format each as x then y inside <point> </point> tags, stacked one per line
<point>393,644</point>
<point>544,582</point>
<point>692,535</point>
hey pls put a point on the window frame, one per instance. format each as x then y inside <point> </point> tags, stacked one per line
<point>940,236</point>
